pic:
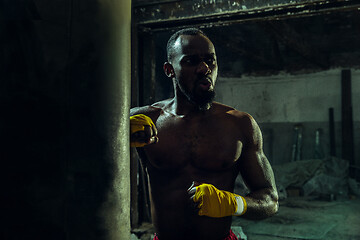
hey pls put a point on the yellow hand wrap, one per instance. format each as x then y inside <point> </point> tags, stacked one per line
<point>138,123</point>
<point>218,203</point>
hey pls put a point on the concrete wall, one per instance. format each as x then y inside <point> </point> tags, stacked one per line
<point>279,102</point>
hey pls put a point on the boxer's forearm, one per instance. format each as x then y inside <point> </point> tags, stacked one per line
<point>261,204</point>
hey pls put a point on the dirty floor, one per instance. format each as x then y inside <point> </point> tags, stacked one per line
<point>307,218</point>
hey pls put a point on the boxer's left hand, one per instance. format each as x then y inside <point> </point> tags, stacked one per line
<point>216,203</point>
<point>143,131</point>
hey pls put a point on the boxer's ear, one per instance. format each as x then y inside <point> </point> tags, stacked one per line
<point>169,70</point>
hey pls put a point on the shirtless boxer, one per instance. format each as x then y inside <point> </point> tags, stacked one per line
<point>193,149</point>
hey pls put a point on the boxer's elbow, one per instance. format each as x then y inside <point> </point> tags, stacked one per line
<point>271,203</point>
<point>262,204</point>
<point>274,202</point>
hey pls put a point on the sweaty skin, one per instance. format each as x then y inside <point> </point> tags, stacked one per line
<point>206,146</point>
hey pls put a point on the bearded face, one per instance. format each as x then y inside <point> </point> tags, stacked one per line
<point>199,97</point>
<point>195,69</point>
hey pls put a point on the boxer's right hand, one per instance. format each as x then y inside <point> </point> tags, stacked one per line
<point>216,203</point>
<point>142,131</point>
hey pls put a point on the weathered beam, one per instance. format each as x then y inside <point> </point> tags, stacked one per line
<point>162,15</point>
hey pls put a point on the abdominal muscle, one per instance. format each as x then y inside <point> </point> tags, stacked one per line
<point>179,221</point>
<point>174,214</point>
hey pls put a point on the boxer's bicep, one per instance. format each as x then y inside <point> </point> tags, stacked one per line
<point>255,168</point>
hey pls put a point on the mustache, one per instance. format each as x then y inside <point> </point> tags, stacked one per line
<point>205,80</point>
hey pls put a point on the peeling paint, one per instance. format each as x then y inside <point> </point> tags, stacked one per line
<point>213,10</point>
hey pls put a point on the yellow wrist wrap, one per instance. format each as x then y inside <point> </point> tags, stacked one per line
<point>138,123</point>
<point>218,203</point>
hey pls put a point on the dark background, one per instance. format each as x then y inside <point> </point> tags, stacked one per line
<point>52,139</point>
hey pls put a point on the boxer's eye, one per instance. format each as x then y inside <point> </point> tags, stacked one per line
<point>191,60</point>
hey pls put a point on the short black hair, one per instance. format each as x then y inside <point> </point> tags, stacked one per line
<point>174,37</point>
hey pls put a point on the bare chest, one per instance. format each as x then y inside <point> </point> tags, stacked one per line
<point>204,144</point>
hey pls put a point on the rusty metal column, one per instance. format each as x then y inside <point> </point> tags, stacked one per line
<point>115,210</point>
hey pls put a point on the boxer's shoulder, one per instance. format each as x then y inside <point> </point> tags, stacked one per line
<point>151,111</point>
<point>161,104</point>
<point>230,112</point>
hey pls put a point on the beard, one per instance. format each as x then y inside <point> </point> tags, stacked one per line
<point>202,99</point>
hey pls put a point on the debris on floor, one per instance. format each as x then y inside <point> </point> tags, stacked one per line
<point>306,218</point>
